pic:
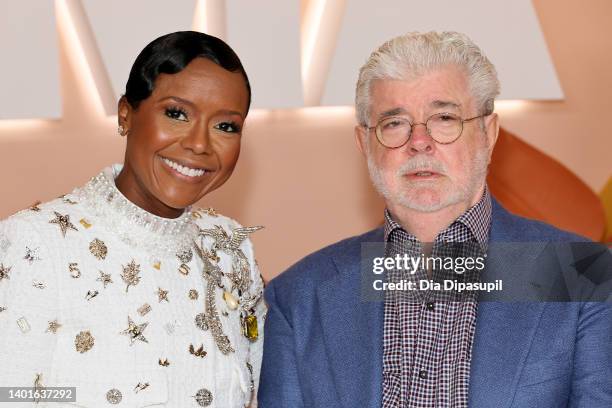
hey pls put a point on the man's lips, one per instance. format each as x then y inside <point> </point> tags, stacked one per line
<point>422,175</point>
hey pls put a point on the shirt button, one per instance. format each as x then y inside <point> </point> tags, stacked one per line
<point>430,306</point>
<point>423,374</point>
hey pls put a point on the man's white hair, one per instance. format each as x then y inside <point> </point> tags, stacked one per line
<point>414,54</point>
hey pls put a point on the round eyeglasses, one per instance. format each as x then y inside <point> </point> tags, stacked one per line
<point>444,128</point>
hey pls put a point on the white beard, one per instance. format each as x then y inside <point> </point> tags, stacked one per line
<point>414,196</point>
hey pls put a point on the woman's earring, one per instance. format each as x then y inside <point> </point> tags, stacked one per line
<point>121,130</point>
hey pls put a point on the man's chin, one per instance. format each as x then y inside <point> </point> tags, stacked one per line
<point>425,200</point>
<point>422,206</point>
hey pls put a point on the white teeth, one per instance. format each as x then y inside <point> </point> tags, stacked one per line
<point>186,171</point>
<point>424,173</point>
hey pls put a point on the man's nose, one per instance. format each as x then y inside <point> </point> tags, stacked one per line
<point>420,141</point>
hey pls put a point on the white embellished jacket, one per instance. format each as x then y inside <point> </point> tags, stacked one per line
<point>131,309</point>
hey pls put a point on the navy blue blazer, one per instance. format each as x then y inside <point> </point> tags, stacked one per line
<point>323,344</point>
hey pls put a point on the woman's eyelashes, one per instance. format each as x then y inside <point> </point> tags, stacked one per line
<point>176,113</point>
<point>228,127</point>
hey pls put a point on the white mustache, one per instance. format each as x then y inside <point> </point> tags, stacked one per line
<point>420,163</point>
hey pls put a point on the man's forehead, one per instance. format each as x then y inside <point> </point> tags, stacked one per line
<point>435,104</point>
<point>440,89</point>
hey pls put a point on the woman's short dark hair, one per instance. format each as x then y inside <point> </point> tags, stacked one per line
<point>170,54</point>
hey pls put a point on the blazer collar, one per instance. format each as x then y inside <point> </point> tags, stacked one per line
<point>353,329</point>
<point>504,330</point>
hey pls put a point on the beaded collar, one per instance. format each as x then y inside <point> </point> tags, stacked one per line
<point>130,223</point>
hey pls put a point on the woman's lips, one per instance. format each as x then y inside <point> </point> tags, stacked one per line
<point>184,172</point>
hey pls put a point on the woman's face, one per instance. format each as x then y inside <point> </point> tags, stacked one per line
<point>184,140</point>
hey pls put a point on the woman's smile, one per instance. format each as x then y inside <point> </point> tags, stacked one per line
<point>184,140</point>
<point>184,171</point>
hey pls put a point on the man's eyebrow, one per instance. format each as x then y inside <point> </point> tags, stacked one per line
<point>438,104</point>
<point>391,112</point>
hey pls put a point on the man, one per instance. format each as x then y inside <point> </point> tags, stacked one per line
<point>427,128</point>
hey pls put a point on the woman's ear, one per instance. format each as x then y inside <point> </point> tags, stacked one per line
<point>124,116</point>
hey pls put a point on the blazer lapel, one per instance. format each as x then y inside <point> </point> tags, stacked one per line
<point>504,329</point>
<point>352,331</point>
<point>504,332</point>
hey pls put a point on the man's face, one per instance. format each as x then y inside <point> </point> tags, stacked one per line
<point>423,175</point>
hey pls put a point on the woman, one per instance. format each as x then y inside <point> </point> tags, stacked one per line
<point>120,288</point>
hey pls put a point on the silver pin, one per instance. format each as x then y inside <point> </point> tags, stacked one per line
<point>140,387</point>
<point>38,284</point>
<point>201,321</point>
<point>38,386</point>
<point>169,327</point>
<point>91,294</point>
<point>23,324</point>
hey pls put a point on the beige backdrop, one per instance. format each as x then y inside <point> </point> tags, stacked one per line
<point>300,174</point>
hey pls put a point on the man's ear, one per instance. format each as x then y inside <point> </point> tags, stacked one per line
<point>491,131</point>
<point>124,114</point>
<point>360,139</point>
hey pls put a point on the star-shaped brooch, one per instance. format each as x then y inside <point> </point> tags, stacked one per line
<point>134,331</point>
<point>53,326</point>
<point>31,255</point>
<point>105,278</point>
<point>4,272</point>
<point>64,223</point>
<point>162,295</point>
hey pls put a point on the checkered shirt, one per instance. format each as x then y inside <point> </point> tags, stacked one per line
<point>427,340</point>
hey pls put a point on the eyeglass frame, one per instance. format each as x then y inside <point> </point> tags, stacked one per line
<point>378,136</point>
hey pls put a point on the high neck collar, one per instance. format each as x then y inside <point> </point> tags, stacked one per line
<point>132,224</point>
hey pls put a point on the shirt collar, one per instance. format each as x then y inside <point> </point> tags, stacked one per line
<point>477,219</point>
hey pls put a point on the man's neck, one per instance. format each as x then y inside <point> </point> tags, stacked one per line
<point>426,226</point>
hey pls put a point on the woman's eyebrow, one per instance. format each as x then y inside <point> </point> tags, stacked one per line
<point>187,102</point>
<point>230,112</point>
<point>177,99</point>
